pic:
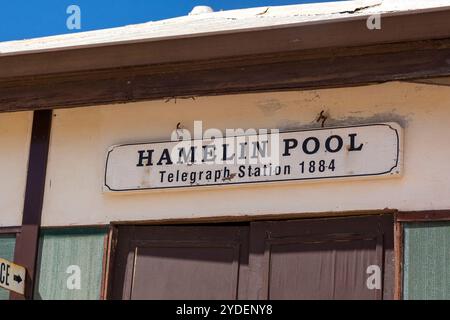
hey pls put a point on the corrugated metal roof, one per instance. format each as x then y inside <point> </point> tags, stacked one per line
<point>222,22</point>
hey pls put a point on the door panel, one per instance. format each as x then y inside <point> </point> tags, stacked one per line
<point>298,259</point>
<point>322,270</point>
<point>181,263</point>
<point>320,258</point>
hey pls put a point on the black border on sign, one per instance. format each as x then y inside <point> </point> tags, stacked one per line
<point>272,181</point>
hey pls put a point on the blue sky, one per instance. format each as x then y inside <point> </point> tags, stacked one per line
<point>24,19</point>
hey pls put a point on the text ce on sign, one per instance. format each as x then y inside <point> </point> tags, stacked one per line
<point>373,150</point>
<point>12,276</point>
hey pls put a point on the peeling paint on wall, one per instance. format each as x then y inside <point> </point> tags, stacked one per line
<point>270,106</point>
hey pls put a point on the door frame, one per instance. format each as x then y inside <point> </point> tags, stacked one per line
<point>395,268</point>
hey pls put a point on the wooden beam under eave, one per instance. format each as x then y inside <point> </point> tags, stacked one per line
<point>303,70</point>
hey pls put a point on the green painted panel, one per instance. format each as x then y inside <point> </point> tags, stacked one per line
<point>70,264</point>
<point>427,261</point>
<point>7,244</point>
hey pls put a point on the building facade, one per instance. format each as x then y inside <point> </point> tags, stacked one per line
<point>67,101</point>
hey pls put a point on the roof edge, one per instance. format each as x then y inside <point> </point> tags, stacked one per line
<point>358,14</point>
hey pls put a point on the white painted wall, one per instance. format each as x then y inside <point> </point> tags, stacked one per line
<point>15,133</point>
<point>81,137</point>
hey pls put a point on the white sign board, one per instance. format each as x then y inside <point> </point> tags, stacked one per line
<point>12,276</point>
<point>373,150</point>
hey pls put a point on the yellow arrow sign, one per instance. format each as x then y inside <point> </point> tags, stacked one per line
<point>12,276</point>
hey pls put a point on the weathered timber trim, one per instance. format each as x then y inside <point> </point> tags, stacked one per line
<point>326,54</point>
<point>347,32</point>
<point>398,257</point>
<point>28,239</point>
<point>312,69</point>
<point>424,216</point>
<point>9,230</point>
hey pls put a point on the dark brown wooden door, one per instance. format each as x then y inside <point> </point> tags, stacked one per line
<point>299,259</point>
<point>181,262</point>
<point>322,258</point>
